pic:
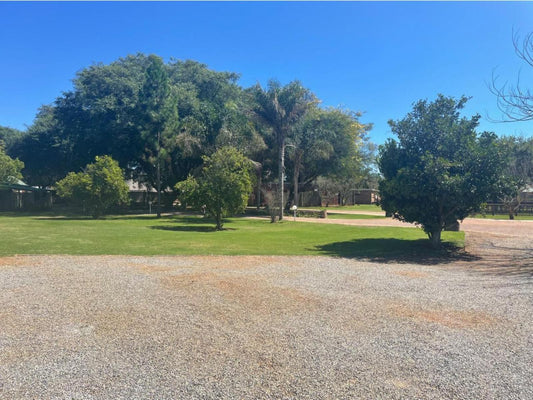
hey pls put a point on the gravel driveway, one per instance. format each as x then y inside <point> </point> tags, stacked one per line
<point>262,328</point>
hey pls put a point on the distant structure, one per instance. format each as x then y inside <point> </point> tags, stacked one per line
<point>19,196</point>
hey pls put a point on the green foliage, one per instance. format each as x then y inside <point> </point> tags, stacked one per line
<point>279,109</point>
<point>129,110</point>
<point>223,186</point>
<point>328,142</point>
<point>9,136</point>
<point>44,150</point>
<point>440,170</point>
<point>517,173</point>
<point>9,168</point>
<point>188,192</point>
<point>118,108</point>
<point>158,119</point>
<point>98,188</point>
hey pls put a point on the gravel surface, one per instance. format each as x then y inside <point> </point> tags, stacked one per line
<point>116,327</point>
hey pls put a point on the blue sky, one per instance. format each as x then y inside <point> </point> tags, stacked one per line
<point>376,57</point>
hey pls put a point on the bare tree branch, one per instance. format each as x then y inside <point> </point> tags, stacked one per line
<point>515,102</point>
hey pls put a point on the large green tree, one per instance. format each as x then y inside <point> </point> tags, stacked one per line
<point>327,142</point>
<point>440,170</point>
<point>223,187</point>
<point>280,108</point>
<point>158,117</point>
<point>112,108</point>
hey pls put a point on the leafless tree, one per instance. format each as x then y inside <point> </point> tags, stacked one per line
<point>516,101</point>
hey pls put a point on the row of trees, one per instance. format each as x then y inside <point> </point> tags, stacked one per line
<point>159,120</point>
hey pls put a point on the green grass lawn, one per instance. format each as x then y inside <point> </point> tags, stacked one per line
<point>334,215</point>
<point>503,216</point>
<point>187,235</point>
<point>361,207</point>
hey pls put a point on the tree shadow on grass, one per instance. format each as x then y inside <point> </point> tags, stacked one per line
<point>190,224</point>
<point>396,251</point>
<point>184,228</point>
<point>104,218</point>
<point>125,217</point>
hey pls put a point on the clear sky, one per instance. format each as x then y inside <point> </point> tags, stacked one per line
<point>377,57</point>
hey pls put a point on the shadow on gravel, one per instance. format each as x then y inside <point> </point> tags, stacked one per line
<point>396,251</point>
<point>503,261</point>
<point>512,268</point>
<point>501,255</point>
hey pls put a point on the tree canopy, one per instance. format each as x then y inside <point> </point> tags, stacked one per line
<point>9,136</point>
<point>279,108</point>
<point>159,119</point>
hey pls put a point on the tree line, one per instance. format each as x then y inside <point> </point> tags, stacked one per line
<point>159,119</point>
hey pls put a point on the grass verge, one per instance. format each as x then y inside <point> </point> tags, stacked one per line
<point>191,235</point>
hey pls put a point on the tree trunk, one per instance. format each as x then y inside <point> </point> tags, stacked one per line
<point>435,239</point>
<point>281,176</point>
<point>218,218</point>
<point>259,183</point>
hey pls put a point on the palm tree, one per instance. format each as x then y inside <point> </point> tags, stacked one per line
<point>280,108</point>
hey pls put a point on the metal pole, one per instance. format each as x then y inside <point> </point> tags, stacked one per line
<point>158,176</point>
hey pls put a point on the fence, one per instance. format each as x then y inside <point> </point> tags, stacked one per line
<point>525,208</point>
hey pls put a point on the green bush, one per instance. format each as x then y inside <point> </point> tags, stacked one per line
<point>97,189</point>
<point>223,186</point>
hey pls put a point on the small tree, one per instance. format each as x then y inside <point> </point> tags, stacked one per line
<point>98,188</point>
<point>223,186</point>
<point>517,172</point>
<point>440,171</point>
<point>9,168</point>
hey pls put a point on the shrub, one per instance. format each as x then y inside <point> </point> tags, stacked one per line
<point>98,188</point>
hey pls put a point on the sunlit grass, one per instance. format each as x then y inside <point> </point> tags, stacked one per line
<point>173,235</point>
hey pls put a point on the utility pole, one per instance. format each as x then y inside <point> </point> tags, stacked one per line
<point>281,177</point>
<point>158,175</point>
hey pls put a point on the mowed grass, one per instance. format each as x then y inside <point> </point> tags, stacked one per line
<point>334,215</point>
<point>191,235</point>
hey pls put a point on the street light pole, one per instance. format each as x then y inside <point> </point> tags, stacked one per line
<point>158,175</point>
